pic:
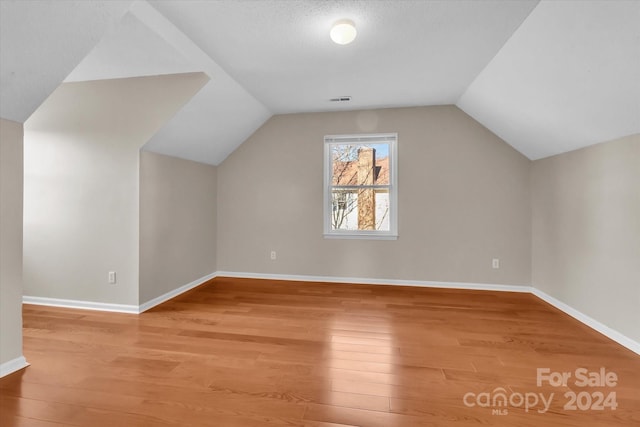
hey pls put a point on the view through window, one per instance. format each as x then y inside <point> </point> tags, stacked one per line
<point>360,187</point>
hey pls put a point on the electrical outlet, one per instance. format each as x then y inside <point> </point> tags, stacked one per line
<point>495,263</point>
<point>273,255</point>
<point>112,277</point>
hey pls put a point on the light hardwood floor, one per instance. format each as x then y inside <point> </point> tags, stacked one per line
<point>237,352</point>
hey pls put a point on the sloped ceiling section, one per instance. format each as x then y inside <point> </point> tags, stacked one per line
<point>218,119</point>
<point>568,78</point>
<point>40,44</point>
<point>547,77</point>
<point>130,108</point>
<point>213,123</point>
<point>131,50</point>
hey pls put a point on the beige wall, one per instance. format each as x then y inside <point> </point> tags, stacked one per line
<point>177,223</point>
<point>586,231</point>
<point>81,184</point>
<point>464,199</point>
<point>10,241</point>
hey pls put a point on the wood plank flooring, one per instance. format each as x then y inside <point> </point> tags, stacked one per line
<point>239,352</point>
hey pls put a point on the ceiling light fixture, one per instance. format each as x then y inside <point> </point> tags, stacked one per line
<point>343,31</point>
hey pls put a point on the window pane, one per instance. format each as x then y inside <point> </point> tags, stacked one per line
<point>360,190</point>
<point>365,209</point>
<point>360,164</point>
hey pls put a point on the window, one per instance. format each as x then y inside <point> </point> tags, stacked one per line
<point>360,186</point>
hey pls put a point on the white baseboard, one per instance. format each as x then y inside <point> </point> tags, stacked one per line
<point>592,323</point>
<point>117,308</point>
<point>174,293</point>
<point>371,281</point>
<point>85,305</point>
<point>589,321</point>
<point>12,366</point>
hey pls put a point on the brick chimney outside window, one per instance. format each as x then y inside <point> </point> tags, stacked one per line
<point>366,196</point>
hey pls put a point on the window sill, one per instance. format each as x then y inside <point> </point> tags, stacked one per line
<point>358,236</point>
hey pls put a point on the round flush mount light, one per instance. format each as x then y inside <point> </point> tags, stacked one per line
<point>343,31</point>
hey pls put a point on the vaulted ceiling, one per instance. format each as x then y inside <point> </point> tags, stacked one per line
<point>547,77</point>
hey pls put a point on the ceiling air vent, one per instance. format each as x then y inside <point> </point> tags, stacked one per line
<point>341,99</point>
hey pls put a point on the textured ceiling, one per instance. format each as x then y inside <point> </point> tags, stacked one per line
<point>569,77</point>
<point>546,77</point>
<point>40,44</point>
<point>406,52</point>
<point>215,121</point>
<point>132,49</point>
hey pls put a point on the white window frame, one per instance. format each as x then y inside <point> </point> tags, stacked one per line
<point>385,138</point>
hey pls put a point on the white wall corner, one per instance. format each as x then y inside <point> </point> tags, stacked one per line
<point>12,366</point>
<point>174,293</point>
